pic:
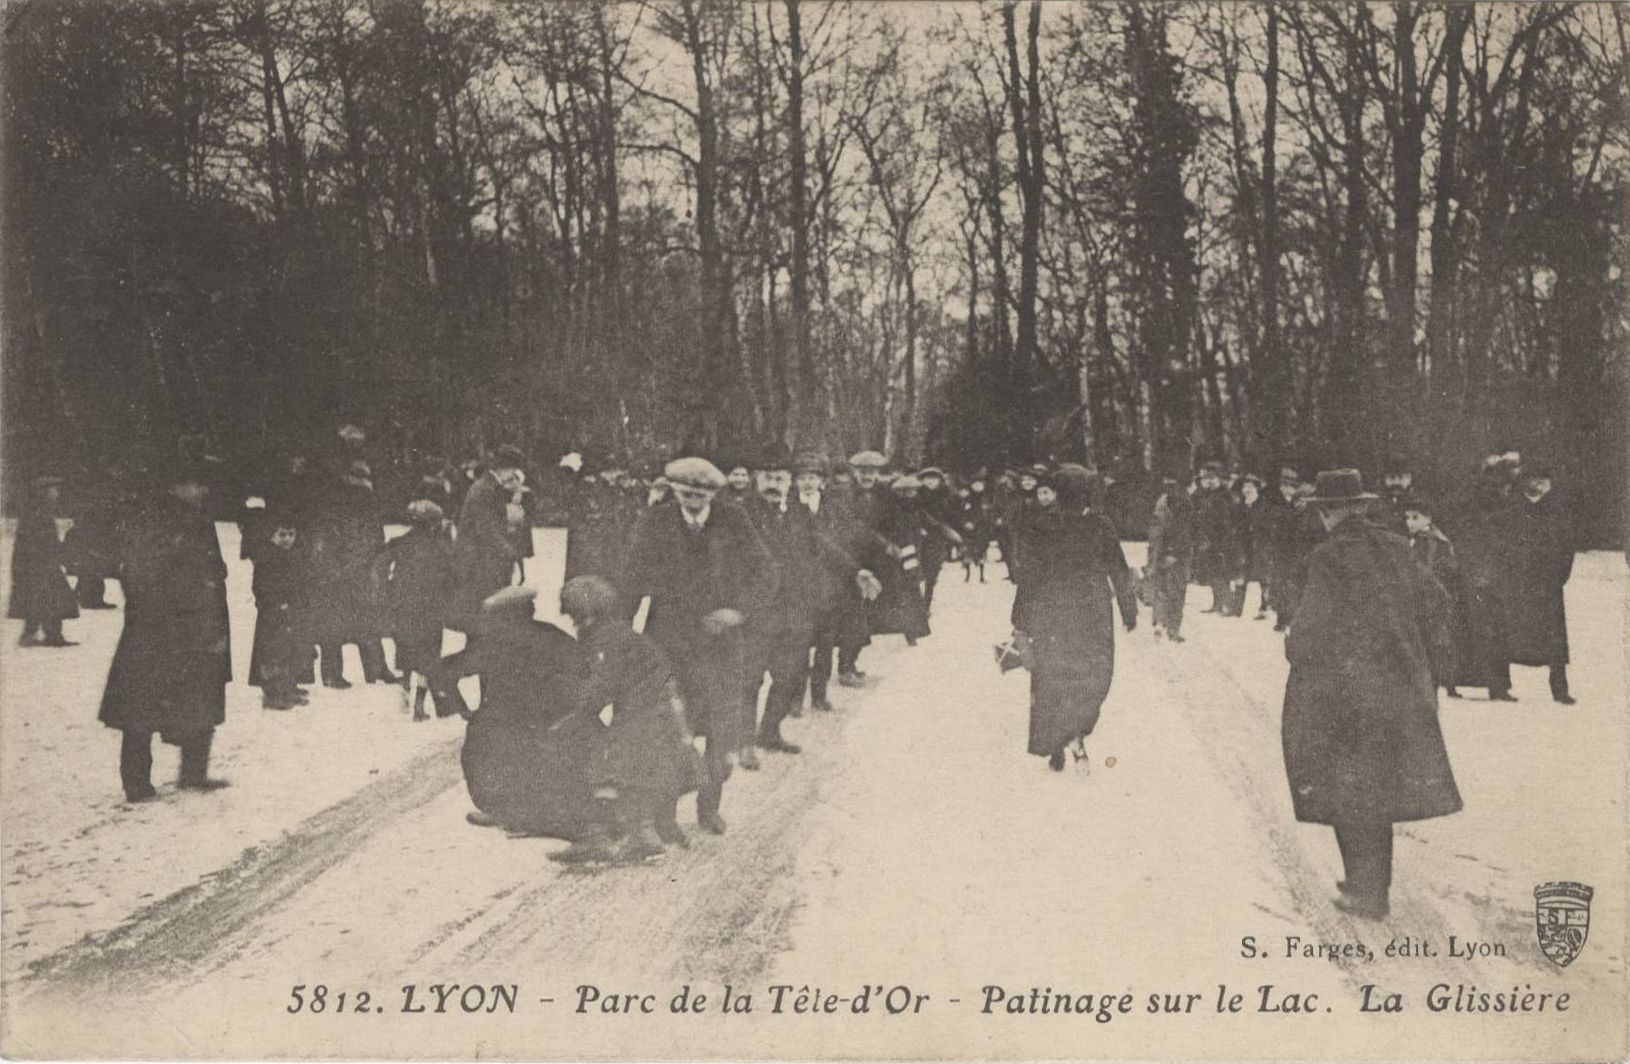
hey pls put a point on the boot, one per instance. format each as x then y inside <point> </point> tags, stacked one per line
<point>1559,686</point>
<point>668,830</point>
<point>641,844</point>
<point>195,764</point>
<point>596,845</point>
<point>1365,908</point>
<point>748,759</point>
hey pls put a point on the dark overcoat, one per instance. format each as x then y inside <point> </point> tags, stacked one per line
<point>174,658</point>
<point>1360,729</point>
<point>1482,530</point>
<point>281,584</point>
<point>1218,552</point>
<point>346,532</point>
<point>39,584</point>
<point>1072,578</point>
<point>483,555</point>
<point>1539,563</point>
<point>1256,527</point>
<point>1434,551</point>
<point>600,522</point>
<point>689,573</point>
<point>524,760</point>
<point>647,744</point>
<point>415,571</point>
<point>900,606</point>
<point>835,519</point>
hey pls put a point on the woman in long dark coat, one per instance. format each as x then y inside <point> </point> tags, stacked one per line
<point>1362,745</point>
<point>40,595</point>
<point>1072,575</point>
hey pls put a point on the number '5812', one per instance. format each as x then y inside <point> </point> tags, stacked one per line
<point>317,999</point>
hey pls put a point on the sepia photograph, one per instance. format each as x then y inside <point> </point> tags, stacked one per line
<point>814,530</point>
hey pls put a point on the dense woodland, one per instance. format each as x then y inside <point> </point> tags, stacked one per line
<point>1136,233</point>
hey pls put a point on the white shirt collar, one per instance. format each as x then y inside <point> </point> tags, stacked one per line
<point>699,520</point>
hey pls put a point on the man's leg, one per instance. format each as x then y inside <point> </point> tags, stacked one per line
<point>1559,685</point>
<point>91,591</point>
<point>333,663</point>
<point>1366,856</point>
<point>195,761</point>
<point>788,661</point>
<point>823,642</point>
<point>374,669</point>
<point>136,765</point>
<point>710,795</point>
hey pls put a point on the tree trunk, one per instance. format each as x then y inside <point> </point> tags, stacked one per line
<point>802,398</point>
<point>1275,370</point>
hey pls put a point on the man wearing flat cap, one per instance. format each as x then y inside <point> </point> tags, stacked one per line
<point>702,566</point>
<point>1362,745</point>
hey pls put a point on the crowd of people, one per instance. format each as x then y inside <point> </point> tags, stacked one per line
<point>1501,547</point>
<point>710,601</point>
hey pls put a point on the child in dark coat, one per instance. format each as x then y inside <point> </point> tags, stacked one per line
<point>1434,551</point>
<point>415,571</point>
<point>282,653</point>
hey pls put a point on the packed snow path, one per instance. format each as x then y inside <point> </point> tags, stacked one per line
<point>913,842</point>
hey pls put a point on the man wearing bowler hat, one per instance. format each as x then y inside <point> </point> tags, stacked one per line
<point>1362,745</point>
<point>174,659</point>
<point>703,566</point>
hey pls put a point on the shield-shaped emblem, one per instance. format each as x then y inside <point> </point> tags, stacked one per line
<point>1562,919</point>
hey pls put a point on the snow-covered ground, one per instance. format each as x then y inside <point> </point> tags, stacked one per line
<point>913,843</point>
<point>77,858</point>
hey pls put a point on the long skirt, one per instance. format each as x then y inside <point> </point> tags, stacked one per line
<point>1068,686</point>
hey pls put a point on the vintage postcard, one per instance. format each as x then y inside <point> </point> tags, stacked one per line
<point>812,530</point>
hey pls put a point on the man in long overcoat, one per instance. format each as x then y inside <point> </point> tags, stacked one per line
<point>808,565</point>
<point>837,602</point>
<point>1362,745</point>
<point>174,660</point>
<point>703,566</point>
<point>1219,559</point>
<point>1171,552</point>
<point>347,531</point>
<point>1482,528</point>
<point>1539,561</point>
<point>484,555</point>
<point>864,505</point>
<point>40,595</point>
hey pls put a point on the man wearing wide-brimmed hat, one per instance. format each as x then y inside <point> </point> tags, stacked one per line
<point>702,566</point>
<point>1362,745</point>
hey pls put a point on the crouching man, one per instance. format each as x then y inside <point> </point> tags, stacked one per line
<point>644,759</point>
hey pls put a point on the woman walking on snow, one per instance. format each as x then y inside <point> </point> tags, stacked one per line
<point>1073,575</point>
